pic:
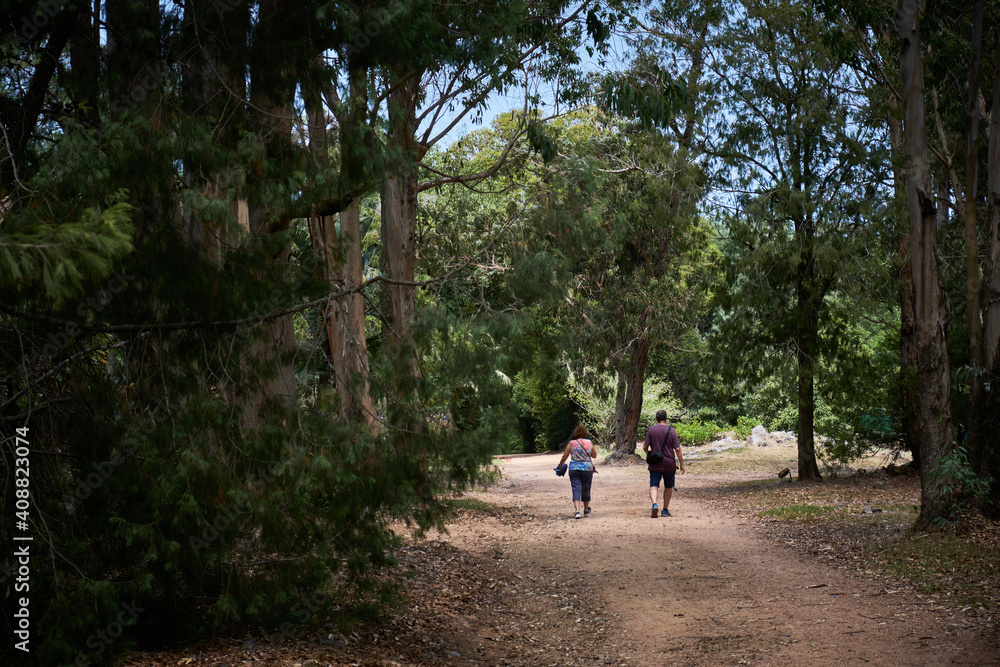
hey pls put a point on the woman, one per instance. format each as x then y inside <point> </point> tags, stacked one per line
<point>580,452</point>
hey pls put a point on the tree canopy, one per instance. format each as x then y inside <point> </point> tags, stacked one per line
<point>261,297</point>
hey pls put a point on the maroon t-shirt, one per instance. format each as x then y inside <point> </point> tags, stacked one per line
<point>663,438</point>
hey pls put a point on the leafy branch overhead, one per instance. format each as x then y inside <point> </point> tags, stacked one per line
<point>65,256</point>
<point>653,99</point>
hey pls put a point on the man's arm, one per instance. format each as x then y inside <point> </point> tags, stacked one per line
<point>680,458</point>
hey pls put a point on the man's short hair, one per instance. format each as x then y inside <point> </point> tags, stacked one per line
<point>661,415</point>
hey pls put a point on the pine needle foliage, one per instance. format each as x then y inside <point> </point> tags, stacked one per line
<point>163,323</point>
<point>62,257</point>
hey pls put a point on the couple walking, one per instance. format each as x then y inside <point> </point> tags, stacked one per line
<point>663,456</point>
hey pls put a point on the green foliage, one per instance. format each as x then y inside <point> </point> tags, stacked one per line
<point>653,101</point>
<point>658,395</point>
<point>597,406</point>
<point>744,425</point>
<point>792,337</point>
<point>960,485</point>
<point>64,256</point>
<point>543,397</point>
<point>696,433</point>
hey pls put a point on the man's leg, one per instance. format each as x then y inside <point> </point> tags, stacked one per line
<point>668,492</point>
<point>654,487</point>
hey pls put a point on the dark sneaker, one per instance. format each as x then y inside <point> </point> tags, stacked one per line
<point>577,516</point>
<point>587,511</point>
<point>655,512</point>
<point>666,513</point>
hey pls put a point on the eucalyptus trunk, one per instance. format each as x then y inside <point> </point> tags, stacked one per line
<point>807,336</point>
<point>935,429</point>
<point>214,87</point>
<point>907,326</point>
<point>986,451</point>
<point>630,387</point>
<point>973,280</point>
<point>133,71</point>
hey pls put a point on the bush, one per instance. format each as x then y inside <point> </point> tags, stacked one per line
<point>744,425</point>
<point>697,433</point>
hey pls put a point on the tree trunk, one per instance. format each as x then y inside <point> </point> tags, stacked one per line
<point>620,392</point>
<point>272,93</point>
<point>345,317</point>
<point>935,429</point>
<point>133,67</point>
<point>343,269</point>
<point>969,202</point>
<point>805,358</point>
<point>399,195</point>
<point>214,84</point>
<point>907,340</point>
<point>85,63</point>
<point>806,339</point>
<point>986,451</point>
<point>399,224</point>
<point>629,408</point>
<point>20,120</point>
<point>972,279</point>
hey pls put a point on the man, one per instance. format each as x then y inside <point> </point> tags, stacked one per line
<point>662,438</point>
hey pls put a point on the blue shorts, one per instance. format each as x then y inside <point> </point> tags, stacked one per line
<point>667,477</point>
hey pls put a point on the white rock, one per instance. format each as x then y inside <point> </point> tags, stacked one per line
<point>758,436</point>
<point>724,444</point>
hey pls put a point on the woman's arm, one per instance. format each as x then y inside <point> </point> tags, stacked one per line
<point>565,455</point>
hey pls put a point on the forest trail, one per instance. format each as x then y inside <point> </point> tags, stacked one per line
<point>697,588</point>
<point>517,582</point>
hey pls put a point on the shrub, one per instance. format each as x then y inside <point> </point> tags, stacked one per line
<point>697,433</point>
<point>744,425</point>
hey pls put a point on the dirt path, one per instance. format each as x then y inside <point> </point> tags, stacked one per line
<point>529,586</point>
<point>698,588</point>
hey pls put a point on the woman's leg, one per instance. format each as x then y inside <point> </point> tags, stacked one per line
<point>587,479</point>
<point>576,483</point>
